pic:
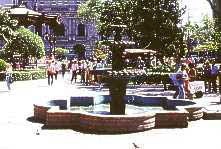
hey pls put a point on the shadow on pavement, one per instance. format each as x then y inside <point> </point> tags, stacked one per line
<point>6,91</point>
<point>34,120</point>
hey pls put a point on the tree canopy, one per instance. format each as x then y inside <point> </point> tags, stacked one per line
<point>7,26</point>
<point>215,6</point>
<point>27,44</point>
<point>60,53</point>
<point>152,23</point>
<point>79,50</point>
<point>203,36</point>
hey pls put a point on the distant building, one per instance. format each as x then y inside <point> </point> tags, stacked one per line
<point>77,32</point>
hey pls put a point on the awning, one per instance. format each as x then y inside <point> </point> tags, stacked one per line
<point>28,17</point>
<point>22,10</point>
<point>140,51</point>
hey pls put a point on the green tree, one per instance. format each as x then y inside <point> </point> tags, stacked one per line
<point>206,34</point>
<point>101,51</point>
<point>79,50</point>
<point>7,27</point>
<point>2,65</point>
<point>90,11</point>
<point>26,44</point>
<point>215,6</point>
<point>152,23</point>
<point>60,53</point>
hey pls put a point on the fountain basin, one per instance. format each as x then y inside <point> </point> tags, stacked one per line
<point>57,114</point>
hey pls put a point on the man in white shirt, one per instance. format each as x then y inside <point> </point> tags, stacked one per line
<point>51,72</point>
<point>57,69</point>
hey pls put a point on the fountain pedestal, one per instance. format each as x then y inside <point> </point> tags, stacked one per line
<point>117,92</point>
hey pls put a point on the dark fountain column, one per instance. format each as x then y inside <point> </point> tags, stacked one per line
<point>117,85</point>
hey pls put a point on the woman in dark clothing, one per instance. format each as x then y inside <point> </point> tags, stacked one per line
<point>207,75</point>
<point>63,69</point>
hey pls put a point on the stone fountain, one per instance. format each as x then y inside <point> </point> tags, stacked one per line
<point>169,113</point>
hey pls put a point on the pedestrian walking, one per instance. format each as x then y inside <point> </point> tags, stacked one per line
<point>181,76</point>
<point>82,68</point>
<point>175,85</point>
<point>87,72</point>
<point>207,76</point>
<point>140,63</point>
<point>214,75</point>
<point>8,76</point>
<point>51,72</point>
<point>63,69</point>
<point>74,69</point>
<point>192,72</point>
<point>57,69</point>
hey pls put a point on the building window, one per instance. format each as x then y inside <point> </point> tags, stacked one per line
<point>81,30</point>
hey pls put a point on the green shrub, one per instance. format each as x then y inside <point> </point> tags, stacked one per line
<point>163,68</point>
<point>21,75</point>
<point>29,75</point>
<point>38,75</point>
<point>2,65</point>
<point>26,75</point>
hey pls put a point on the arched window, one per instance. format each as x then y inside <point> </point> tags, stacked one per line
<point>81,30</point>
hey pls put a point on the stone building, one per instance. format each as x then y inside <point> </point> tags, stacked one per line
<point>77,32</point>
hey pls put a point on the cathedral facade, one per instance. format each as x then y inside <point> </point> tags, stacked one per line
<point>77,31</point>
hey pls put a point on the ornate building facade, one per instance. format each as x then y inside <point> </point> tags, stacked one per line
<point>77,32</point>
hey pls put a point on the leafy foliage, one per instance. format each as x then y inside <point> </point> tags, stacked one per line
<point>206,34</point>
<point>152,23</point>
<point>101,51</point>
<point>7,26</point>
<point>79,49</point>
<point>26,75</point>
<point>163,68</point>
<point>2,65</point>
<point>90,11</point>
<point>27,44</point>
<point>60,53</point>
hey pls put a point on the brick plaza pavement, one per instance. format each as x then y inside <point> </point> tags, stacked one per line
<point>17,132</point>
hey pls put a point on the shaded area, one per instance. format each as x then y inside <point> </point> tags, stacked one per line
<point>61,103</point>
<point>35,120</point>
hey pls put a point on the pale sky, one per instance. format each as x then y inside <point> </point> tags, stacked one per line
<point>197,9</point>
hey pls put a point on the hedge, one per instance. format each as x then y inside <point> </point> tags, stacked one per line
<point>26,75</point>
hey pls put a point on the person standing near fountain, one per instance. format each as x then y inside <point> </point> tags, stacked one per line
<point>63,69</point>
<point>8,76</point>
<point>139,63</point>
<point>181,76</point>
<point>74,68</point>
<point>57,69</point>
<point>214,75</point>
<point>51,72</point>
<point>207,75</point>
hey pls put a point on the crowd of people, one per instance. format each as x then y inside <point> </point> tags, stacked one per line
<point>83,68</point>
<point>187,72</point>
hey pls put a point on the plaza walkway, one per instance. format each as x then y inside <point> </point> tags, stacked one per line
<point>18,132</point>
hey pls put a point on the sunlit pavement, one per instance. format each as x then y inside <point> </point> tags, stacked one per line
<point>18,132</point>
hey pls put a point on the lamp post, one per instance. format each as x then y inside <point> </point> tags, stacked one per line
<point>51,38</point>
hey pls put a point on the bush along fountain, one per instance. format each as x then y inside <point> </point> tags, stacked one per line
<point>58,113</point>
